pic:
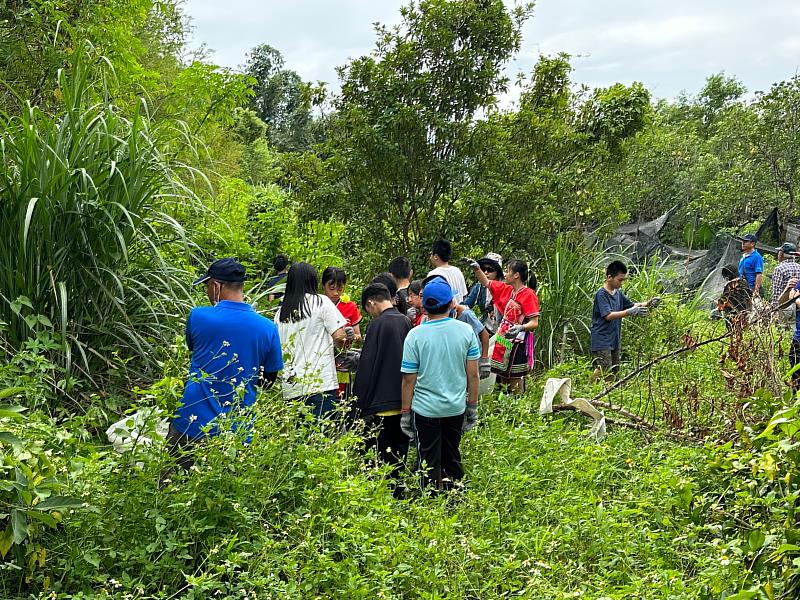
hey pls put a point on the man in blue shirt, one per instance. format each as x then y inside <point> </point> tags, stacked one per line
<point>234,350</point>
<point>440,386</point>
<point>610,307</point>
<point>751,265</point>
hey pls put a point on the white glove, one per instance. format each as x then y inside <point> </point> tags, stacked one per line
<point>406,426</point>
<point>513,332</point>
<point>484,367</point>
<point>470,262</point>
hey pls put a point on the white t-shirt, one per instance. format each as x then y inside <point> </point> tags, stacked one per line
<point>308,348</point>
<point>455,278</point>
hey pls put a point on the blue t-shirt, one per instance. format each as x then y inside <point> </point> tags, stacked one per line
<point>750,266</point>
<point>437,352</point>
<point>468,317</point>
<point>606,334</point>
<point>231,345</point>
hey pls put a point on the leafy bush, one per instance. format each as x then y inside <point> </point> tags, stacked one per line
<point>83,224</point>
<point>756,514</point>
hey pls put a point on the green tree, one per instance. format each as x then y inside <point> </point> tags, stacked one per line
<point>281,99</point>
<point>774,136</point>
<point>540,164</point>
<point>404,133</point>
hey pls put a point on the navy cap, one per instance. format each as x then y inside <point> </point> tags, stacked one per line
<point>749,237</point>
<point>787,248</point>
<point>437,294</point>
<point>224,269</point>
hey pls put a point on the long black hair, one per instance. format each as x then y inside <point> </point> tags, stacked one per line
<point>302,279</point>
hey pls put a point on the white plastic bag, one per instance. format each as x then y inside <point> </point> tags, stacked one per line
<point>127,433</point>
<point>561,388</point>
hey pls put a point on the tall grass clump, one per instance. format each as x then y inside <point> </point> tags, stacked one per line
<point>570,272</point>
<point>84,225</point>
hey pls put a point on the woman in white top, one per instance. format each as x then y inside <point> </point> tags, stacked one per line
<point>309,325</point>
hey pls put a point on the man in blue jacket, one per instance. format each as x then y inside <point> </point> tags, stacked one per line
<point>234,350</point>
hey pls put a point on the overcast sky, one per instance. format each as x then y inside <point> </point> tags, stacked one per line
<point>669,46</point>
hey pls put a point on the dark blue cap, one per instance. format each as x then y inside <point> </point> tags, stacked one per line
<point>749,237</point>
<point>224,269</point>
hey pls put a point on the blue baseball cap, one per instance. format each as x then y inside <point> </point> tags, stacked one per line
<point>225,269</point>
<point>750,237</point>
<point>437,294</point>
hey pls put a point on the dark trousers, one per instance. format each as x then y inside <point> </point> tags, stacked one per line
<point>794,359</point>
<point>389,442</point>
<point>179,447</point>
<point>322,403</point>
<point>437,447</point>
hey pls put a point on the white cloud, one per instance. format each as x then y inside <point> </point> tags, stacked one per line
<point>669,46</point>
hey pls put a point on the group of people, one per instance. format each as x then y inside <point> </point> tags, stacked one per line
<point>416,377</point>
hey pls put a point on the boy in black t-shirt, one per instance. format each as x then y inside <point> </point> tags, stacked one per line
<point>378,383</point>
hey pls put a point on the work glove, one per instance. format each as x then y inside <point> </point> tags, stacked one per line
<point>470,418</point>
<point>406,426</point>
<point>484,367</point>
<point>513,332</point>
<point>655,301</point>
<point>638,311</point>
<point>411,313</point>
<point>349,333</point>
<point>470,262</point>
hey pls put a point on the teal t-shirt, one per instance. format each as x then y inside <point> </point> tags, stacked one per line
<point>437,352</point>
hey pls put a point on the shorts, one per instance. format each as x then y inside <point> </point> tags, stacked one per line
<point>606,360</point>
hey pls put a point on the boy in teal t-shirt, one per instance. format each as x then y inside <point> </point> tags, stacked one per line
<point>440,386</point>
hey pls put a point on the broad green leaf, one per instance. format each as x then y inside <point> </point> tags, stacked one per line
<point>756,539</point>
<point>19,524</point>
<point>58,503</point>
<point>10,438</point>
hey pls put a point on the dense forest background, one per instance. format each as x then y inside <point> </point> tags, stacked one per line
<point>130,160</point>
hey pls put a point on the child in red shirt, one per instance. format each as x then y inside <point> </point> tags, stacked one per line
<point>513,355</point>
<point>415,312</point>
<point>333,282</point>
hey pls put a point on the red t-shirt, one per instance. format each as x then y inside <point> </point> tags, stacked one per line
<point>514,308</point>
<point>350,312</point>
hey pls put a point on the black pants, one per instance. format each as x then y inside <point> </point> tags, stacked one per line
<point>180,447</point>
<point>389,442</point>
<point>437,446</point>
<point>794,358</point>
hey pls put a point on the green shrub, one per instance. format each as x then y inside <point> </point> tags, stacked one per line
<point>84,224</point>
